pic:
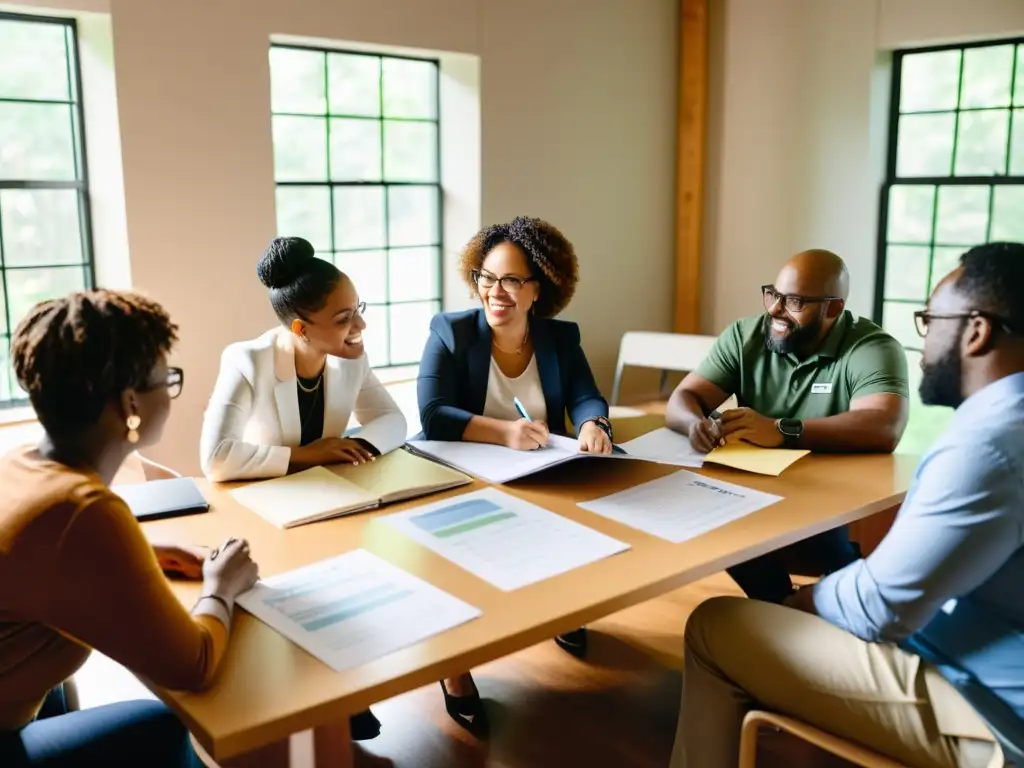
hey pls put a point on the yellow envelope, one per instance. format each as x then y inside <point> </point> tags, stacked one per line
<point>751,458</point>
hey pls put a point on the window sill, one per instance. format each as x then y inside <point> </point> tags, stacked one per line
<point>397,374</point>
<point>12,416</point>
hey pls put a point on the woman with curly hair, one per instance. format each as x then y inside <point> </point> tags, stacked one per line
<point>76,571</point>
<point>481,366</point>
<point>477,363</point>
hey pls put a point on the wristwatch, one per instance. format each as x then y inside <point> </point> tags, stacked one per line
<point>604,425</point>
<point>791,430</point>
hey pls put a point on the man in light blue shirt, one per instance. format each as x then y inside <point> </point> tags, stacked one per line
<point>882,651</point>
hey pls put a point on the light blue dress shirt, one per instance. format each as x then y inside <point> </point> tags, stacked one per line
<point>947,582</point>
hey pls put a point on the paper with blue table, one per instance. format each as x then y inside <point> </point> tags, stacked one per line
<point>354,608</point>
<point>502,539</point>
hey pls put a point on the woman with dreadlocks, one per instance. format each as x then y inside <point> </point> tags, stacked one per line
<point>76,572</point>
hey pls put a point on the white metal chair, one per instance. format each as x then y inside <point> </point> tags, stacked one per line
<point>665,351</point>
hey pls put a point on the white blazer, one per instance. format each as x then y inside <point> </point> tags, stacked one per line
<point>252,421</point>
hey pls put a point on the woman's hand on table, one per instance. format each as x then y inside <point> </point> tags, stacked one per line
<point>185,560</point>
<point>593,439</point>
<point>331,450</point>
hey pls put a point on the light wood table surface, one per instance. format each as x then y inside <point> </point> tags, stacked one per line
<point>269,688</point>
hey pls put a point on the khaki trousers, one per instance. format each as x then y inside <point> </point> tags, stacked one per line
<point>746,654</point>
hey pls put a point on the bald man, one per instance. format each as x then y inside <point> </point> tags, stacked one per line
<point>806,374</point>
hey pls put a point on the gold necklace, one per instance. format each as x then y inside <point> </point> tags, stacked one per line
<point>314,388</point>
<point>526,338</point>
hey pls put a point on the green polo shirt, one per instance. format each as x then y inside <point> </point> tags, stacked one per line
<point>857,358</point>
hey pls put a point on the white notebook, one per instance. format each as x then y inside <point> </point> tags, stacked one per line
<point>320,493</point>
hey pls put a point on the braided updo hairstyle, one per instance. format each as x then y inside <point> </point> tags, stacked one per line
<point>73,355</point>
<point>551,257</point>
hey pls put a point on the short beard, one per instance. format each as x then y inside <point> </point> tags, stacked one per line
<point>800,336</point>
<point>941,382</point>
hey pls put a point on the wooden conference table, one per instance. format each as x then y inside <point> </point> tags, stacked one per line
<point>269,688</point>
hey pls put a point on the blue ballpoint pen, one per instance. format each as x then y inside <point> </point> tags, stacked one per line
<point>521,409</point>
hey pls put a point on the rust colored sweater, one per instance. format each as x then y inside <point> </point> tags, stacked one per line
<point>76,573</point>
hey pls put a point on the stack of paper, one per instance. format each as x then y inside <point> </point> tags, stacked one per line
<point>664,447</point>
<point>320,493</point>
<point>667,447</point>
<point>752,458</point>
<point>504,540</point>
<point>680,506</point>
<point>354,608</point>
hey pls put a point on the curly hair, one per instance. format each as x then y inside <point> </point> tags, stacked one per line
<point>551,257</point>
<point>72,355</point>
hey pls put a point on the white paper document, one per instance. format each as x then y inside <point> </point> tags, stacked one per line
<point>493,463</point>
<point>504,540</point>
<point>664,446</point>
<point>498,464</point>
<point>680,506</point>
<point>354,608</point>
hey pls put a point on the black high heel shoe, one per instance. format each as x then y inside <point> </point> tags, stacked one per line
<point>467,711</point>
<point>364,726</point>
<point>574,642</point>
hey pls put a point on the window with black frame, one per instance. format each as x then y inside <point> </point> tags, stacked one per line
<point>45,248</point>
<point>357,171</point>
<point>955,178</point>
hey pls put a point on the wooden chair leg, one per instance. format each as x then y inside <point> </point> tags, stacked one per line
<point>840,747</point>
<point>748,739</point>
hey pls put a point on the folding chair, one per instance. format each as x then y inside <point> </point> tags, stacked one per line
<point>664,351</point>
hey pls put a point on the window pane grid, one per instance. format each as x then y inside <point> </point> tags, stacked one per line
<point>954,180</point>
<point>370,200</point>
<point>45,233</point>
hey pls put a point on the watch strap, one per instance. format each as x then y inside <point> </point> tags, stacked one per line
<point>604,425</point>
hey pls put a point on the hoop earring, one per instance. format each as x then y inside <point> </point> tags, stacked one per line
<point>133,423</point>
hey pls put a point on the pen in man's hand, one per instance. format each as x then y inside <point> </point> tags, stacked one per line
<point>717,417</point>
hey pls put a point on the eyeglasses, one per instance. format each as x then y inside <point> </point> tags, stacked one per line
<point>360,309</point>
<point>923,317</point>
<point>509,283</point>
<point>790,301</point>
<point>174,383</point>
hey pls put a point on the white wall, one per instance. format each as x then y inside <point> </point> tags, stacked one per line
<point>797,131</point>
<point>578,126</point>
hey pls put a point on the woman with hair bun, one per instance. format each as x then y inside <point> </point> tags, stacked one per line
<point>282,401</point>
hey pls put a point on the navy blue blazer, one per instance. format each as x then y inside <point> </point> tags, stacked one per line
<point>456,364</point>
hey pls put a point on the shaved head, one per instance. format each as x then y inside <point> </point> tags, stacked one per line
<point>807,278</point>
<point>815,273</point>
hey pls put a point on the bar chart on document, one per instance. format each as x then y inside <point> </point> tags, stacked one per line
<point>354,608</point>
<point>504,540</point>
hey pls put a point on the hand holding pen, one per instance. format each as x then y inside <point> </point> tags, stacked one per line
<point>706,434</point>
<point>526,434</point>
